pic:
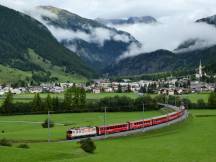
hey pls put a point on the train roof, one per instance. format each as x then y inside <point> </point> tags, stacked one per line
<point>111,125</point>
<point>81,128</point>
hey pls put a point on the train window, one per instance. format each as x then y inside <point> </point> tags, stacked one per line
<point>69,132</point>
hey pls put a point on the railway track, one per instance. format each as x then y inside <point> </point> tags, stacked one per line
<point>141,130</point>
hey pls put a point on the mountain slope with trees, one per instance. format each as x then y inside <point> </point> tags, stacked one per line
<point>97,44</point>
<point>20,34</point>
<point>164,61</point>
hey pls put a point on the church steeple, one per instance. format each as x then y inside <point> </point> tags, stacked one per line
<point>200,69</point>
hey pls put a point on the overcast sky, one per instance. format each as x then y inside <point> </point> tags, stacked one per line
<point>176,19</point>
<point>191,9</point>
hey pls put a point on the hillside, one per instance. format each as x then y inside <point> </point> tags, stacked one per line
<point>211,20</point>
<point>164,61</point>
<point>94,42</point>
<point>20,34</point>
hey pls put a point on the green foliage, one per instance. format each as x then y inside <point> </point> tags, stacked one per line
<point>5,142</point>
<point>74,97</point>
<point>37,105</point>
<point>24,146</point>
<point>19,33</point>
<point>212,100</point>
<point>48,124</point>
<point>48,103</point>
<point>87,145</point>
<point>7,106</point>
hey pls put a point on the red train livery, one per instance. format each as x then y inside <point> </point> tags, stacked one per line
<point>116,128</point>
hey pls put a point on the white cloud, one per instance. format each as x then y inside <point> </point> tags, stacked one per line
<point>176,19</point>
<point>97,35</point>
<point>168,35</point>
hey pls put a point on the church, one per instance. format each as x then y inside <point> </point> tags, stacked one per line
<point>200,73</point>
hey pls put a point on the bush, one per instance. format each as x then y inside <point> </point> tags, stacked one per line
<point>25,146</point>
<point>87,145</point>
<point>45,124</point>
<point>5,142</point>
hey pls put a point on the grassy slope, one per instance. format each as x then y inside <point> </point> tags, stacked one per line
<point>55,71</point>
<point>191,141</point>
<point>29,131</point>
<point>8,74</point>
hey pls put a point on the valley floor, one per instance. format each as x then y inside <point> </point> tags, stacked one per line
<point>190,141</point>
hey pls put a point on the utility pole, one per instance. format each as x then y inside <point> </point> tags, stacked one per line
<point>143,117</point>
<point>49,133</point>
<point>105,109</point>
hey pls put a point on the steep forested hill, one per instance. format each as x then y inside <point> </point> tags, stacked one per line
<point>21,35</point>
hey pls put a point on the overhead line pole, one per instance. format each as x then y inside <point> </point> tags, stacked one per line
<point>49,133</point>
<point>105,110</point>
<point>143,117</point>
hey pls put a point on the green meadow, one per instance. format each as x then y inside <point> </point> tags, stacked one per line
<point>28,127</point>
<point>190,141</point>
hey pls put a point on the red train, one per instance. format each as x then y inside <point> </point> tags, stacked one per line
<point>116,128</point>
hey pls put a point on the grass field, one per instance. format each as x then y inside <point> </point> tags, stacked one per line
<point>190,141</point>
<point>21,127</point>
<point>196,96</point>
<point>90,96</point>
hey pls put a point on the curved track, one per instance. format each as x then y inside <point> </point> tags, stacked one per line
<point>154,127</point>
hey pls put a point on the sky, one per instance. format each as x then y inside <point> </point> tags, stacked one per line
<point>123,8</point>
<point>175,19</point>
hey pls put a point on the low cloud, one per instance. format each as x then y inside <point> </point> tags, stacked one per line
<point>96,35</point>
<point>168,35</point>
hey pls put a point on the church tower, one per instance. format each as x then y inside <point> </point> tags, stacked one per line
<point>200,70</point>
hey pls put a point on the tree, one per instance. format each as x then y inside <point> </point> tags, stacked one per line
<point>48,123</point>
<point>119,89</point>
<point>82,96</point>
<point>212,100</point>
<point>56,104</point>
<point>48,103</point>
<point>37,103</point>
<point>7,106</point>
<point>201,103</point>
<point>87,145</point>
<point>68,99</point>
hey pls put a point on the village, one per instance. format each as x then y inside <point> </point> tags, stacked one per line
<point>169,86</point>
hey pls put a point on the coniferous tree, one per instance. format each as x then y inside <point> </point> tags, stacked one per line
<point>82,96</point>
<point>7,106</point>
<point>37,105</point>
<point>212,100</point>
<point>56,104</point>
<point>68,99</point>
<point>48,103</point>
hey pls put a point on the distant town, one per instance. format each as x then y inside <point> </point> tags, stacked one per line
<point>169,86</point>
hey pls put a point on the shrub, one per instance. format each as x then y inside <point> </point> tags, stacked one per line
<point>45,124</point>
<point>87,145</point>
<point>5,142</point>
<point>25,146</point>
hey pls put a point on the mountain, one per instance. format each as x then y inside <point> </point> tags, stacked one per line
<point>163,61</point>
<point>27,46</point>
<point>211,20</point>
<point>144,63</point>
<point>194,44</point>
<point>191,45</point>
<point>97,44</point>
<point>130,20</point>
